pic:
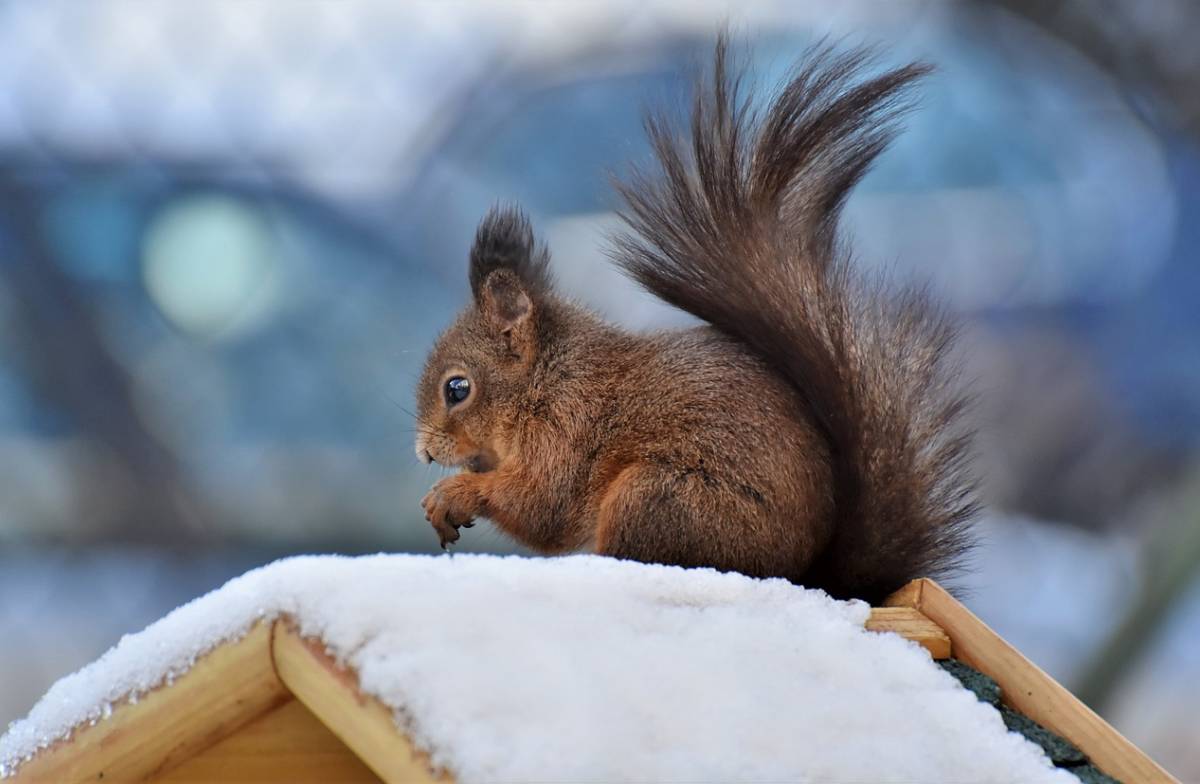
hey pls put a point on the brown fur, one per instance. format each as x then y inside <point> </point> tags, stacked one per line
<point>808,433</point>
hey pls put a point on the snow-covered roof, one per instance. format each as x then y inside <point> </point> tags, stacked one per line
<point>586,668</point>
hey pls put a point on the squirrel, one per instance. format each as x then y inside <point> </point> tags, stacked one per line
<point>811,429</point>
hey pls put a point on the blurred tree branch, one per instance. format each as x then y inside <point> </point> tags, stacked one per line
<point>1171,565</point>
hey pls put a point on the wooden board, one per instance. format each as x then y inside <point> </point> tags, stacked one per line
<point>233,713</point>
<point>1026,688</point>
<point>226,689</point>
<point>363,723</point>
<point>911,624</point>
<point>288,744</point>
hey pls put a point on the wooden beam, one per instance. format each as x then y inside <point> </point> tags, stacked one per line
<point>908,596</point>
<point>288,744</point>
<point>1026,688</point>
<point>911,624</point>
<point>362,722</point>
<point>227,688</point>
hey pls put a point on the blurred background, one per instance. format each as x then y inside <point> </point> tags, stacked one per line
<point>230,229</point>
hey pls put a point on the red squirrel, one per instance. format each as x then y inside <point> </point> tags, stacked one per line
<point>810,430</point>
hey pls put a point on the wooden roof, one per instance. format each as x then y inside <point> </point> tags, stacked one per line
<point>274,706</point>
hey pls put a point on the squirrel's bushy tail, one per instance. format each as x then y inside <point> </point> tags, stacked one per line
<point>739,226</point>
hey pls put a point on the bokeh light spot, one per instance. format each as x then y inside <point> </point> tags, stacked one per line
<point>209,264</point>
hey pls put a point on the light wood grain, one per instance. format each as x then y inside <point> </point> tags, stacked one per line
<point>911,624</point>
<point>288,744</point>
<point>226,689</point>
<point>361,722</point>
<point>1029,690</point>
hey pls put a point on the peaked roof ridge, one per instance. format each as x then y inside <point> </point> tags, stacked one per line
<point>514,668</point>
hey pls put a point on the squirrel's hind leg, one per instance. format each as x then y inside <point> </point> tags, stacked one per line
<point>687,517</point>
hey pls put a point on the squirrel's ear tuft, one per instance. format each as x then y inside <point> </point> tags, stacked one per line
<point>505,241</point>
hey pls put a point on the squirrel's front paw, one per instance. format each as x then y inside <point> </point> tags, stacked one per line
<point>453,502</point>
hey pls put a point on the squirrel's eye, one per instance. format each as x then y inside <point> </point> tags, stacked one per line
<point>456,390</point>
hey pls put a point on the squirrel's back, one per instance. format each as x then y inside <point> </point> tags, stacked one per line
<point>739,226</point>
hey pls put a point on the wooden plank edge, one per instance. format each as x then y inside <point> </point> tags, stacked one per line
<point>285,745</point>
<point>911,624</point>
<point>1027,689</point>
<point>230,686</point>
<point>360,721</point>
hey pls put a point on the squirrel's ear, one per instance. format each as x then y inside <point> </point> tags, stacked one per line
<point>504,241</point>
<point>508,307</point>
<point>510,277</point>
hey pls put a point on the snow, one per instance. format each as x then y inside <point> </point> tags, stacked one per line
<point>588,669</point>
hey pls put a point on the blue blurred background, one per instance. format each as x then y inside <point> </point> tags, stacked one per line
<point>229,231</point>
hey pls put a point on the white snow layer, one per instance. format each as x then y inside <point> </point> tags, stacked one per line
<point>588,669</point>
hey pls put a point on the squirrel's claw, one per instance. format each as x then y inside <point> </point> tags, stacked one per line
<point>443,511</point>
